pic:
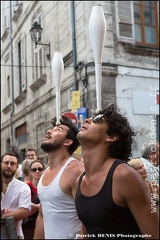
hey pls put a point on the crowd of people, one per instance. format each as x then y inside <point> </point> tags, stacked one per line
<point>104,194</point>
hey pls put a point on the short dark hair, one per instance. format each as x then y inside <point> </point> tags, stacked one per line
<point>119,125</point>
<point>71,134</point>
<point>31,149</point>
<point>11,153</point>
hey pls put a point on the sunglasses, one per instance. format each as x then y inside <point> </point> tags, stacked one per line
<point>11,163</point>
<point>35,169</point>
<point>98,117</point>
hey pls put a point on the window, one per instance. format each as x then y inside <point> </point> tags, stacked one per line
<point>124,21</point>
<point>146,22</point>
<point>8,86</point>
<point>21,49</point>
<point>5,23</point>
<point>8,144</point>
<point>4,19</point>
<point>21,134</point>
<point>38,62</point>
<point>137,22</point>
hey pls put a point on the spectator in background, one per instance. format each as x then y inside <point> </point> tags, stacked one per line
<point>16,197</point>
<point>36,170</point>
<point>31,154</point>
<point>19,173</point>
<point>150,159</point>
<point>26,170</point>
<point>138,165</point>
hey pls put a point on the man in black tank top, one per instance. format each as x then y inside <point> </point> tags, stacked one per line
<point>111,199</point>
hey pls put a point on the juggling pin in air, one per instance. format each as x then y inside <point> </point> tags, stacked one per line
<point>97,31</point>
<point>57,70</point>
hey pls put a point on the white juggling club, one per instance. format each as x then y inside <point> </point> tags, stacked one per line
<point>57,70</point>
<point>97,31</point>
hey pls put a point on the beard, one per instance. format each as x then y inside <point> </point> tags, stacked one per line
<point>51,147</point>
<point>8,174</point>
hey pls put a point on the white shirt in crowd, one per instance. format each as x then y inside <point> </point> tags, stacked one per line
<point>18,195</point>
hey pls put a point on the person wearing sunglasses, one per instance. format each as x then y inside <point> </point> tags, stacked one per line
<point>15,197</point>
<point>111,198</point>
<point>57,218</point>
<point>36,170</point>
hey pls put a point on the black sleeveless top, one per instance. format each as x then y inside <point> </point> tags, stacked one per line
<point>101,216</point>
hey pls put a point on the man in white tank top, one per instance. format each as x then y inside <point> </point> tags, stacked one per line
<point>57,217</point>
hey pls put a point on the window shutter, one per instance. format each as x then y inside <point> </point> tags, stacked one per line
<point>124,21</point>
<point>23,61</point>
<point>39,61</point>
<point>16,70</point>
<point>5,23</point>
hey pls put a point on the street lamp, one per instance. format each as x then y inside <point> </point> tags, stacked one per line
<point>36,32</point>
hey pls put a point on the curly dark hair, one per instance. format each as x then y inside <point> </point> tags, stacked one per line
<point>71,134</point>
<point>119,125</point>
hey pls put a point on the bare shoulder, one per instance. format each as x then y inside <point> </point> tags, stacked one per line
<point>128,177</point>
<point>128,183</point>
<point>124,172</point>
<point>70,175</point>
<point>75,167</point>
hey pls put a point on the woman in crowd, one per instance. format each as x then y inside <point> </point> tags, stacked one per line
<point>26,177</point>
<point>138,165</point>
<point>36,170</point>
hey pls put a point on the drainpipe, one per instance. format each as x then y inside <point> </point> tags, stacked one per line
<point>74,44</point>
<point>12,77</point>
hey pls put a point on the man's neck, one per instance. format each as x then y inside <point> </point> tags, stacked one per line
<point>94,161</point>
<point>56,160</point>
<point>6,181</point>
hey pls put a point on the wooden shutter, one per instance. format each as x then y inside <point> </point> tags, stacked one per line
<point>124,14</point>
<point>23,61</point>
<point>21,130</point>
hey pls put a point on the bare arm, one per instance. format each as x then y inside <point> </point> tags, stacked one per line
<point>138,200</point>
<point>18,214</point>
<point>39,227</point>
<point>83,232</point>
<point>34,208</point>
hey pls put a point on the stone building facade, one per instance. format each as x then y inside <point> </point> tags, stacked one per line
<point>130,66</point>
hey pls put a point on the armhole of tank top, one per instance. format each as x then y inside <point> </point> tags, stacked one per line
<point>109,178</point>
<point>113,167</point>
<point>79,183</point>
<point>70,159</point>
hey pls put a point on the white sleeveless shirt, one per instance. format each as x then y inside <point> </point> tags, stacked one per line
<point>58,208</point>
